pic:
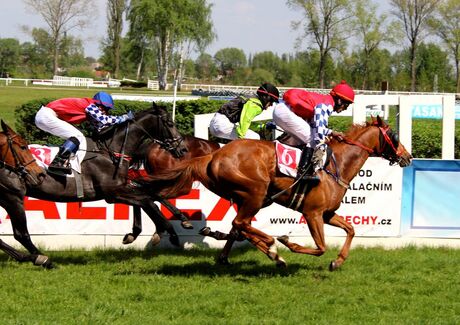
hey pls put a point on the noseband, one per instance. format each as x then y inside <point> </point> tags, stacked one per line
<point>20,167</point>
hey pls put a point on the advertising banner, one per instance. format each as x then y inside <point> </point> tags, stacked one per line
<point>371,205</point>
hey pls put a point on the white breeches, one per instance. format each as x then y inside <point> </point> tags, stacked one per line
<point>47,120</point>
<point>293,124</point>
<point>221,127</point>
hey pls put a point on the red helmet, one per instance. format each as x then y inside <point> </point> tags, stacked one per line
<point>344,91</point>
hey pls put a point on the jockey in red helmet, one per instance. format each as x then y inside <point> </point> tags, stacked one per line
<point>305,116</point>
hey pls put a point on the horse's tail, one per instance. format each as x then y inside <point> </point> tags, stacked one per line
<point>178,180</point>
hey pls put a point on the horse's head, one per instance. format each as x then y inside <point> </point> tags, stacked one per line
<point>389,146</point>
<point>16,156</point>
<point>163,130</point>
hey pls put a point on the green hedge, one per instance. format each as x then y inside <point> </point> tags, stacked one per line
<point>426,134</point>
<point>185,110</point>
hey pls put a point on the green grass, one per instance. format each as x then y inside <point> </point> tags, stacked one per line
<point>401,286</point>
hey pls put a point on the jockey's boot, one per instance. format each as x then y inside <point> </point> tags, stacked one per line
<point>60,164</point>
<point>317,163</point>
<point>304,168</point>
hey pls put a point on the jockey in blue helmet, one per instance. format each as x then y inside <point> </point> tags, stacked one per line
<point>59,117</point>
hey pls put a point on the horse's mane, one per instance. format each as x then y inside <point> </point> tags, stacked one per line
<point>356,128</point>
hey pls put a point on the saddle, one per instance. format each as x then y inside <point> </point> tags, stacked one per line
<point>288,157</point>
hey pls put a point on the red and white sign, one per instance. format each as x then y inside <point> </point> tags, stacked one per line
<point>372,206</point>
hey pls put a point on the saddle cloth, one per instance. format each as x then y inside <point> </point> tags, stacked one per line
<point>287,158</point>
<point>44,155</point>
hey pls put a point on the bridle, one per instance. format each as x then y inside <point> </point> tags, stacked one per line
<point>170,144</point>
<point>387,149</point>
<point>20,166</point>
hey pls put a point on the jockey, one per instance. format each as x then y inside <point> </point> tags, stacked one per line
<point>305,115</point>
<point>59,116</point>
<point>233,119</point>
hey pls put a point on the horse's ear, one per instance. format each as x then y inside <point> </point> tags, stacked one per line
<point>373,122</point>
<point>379,121</point>
<point>154,105</point>
<point>5,127</point>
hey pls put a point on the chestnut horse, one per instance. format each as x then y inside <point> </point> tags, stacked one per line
<point>156,160</point>
<point>245,172</point>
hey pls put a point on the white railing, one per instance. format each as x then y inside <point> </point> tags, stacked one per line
<point>153,85</point>
<point>61,81</point>
<point>72,81</point>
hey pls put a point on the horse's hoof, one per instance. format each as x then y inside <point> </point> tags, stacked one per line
<point>281,263</point>
<point>186,224</point>
<point>128,239</point>
<point>155,240</point>
<point>222,260</point>
<point>174,240</point>
<point>205,231</point>
<point>283,239</point>
<point>44,261</point>
<point>333,266</point>
<point>41,260</point>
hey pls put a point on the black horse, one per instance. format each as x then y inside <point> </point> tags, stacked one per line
<point>103,173</point>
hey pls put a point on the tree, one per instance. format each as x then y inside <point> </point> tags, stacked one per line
<point>371,32</point>
<point>326,23</point>
<point>10,50</point>
<point>196,32</point>
<point>171,24</point>
<point>446,25</point>
<point>370,76</point>
<point>229,60</point>
<point>205,67</point>
<point>61,16</point>
<point>433,69</point>
<point>268,61</point>
<point>115,10</point>
<point>414,14</point>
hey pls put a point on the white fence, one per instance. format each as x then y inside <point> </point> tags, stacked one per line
<point>65,81</point>
<point>153,85</point>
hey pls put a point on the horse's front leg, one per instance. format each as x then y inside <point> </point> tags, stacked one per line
<point>137,226</point>
<point>15,208</point>
<point>316,226</point>
<point>338,221</point>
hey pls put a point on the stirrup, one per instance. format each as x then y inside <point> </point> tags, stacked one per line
<point>60,170</point>
<point>311,178</point>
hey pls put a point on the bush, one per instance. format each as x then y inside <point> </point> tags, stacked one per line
<point>425,140</point>
<point>185,110</point>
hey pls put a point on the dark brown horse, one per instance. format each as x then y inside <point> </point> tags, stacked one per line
<point>245,171</point>
<point>104,176</point>
<point>157,160</point>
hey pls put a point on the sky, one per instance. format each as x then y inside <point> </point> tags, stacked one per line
<point>251,25</point>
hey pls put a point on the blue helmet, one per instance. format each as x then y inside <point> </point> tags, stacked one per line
<point>104,99</point>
